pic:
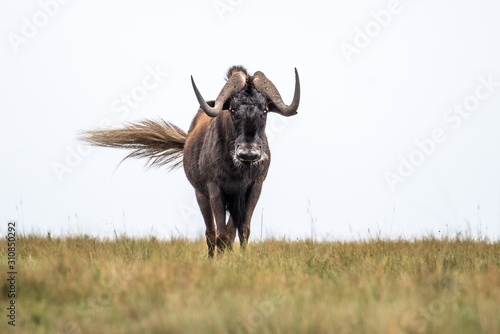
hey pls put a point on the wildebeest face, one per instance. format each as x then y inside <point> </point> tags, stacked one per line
<point>247,97</point>
<point>248,113</point>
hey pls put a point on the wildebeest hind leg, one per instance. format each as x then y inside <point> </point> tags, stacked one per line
<point>231,233</point>
<point>206,211</point>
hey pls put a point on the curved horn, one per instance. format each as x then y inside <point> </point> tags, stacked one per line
<point>234,84</point>
<point>266,87</point>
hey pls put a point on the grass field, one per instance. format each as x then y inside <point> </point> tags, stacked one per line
<point>86,285</point>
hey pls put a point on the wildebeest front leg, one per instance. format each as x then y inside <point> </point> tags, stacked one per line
<point>219,212</point>
<point>206,211</point>
<point>244,229</point>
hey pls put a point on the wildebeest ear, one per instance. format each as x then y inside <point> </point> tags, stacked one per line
<point>226,105</point>
<point>271,107</point>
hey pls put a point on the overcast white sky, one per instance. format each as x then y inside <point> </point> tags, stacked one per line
<point>380,81</point>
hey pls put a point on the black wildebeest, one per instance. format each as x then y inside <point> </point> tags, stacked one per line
<point>225,152</point>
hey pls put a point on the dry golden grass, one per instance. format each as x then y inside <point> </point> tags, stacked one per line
<point>85,285</point>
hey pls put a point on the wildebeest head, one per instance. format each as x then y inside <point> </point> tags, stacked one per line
<point>249,99</point>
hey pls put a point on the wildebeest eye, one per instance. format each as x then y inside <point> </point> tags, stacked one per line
<point>231,111</point>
